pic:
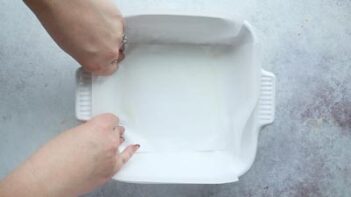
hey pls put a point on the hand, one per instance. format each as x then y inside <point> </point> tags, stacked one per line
<point>90,31</point>
<point>75,162</point>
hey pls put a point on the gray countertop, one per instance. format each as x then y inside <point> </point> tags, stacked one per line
<point>307,44</point>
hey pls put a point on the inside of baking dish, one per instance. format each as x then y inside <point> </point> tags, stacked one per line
<point>185,92</point>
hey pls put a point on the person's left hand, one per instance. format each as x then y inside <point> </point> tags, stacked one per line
<point>73,163</point>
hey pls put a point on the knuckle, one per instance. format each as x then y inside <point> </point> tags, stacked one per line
<point>105,121</point>
<point>121,129</point>
<point>97,66</point>
<point>90,66</point>
<point>100,62</point>
<point>112,53</point>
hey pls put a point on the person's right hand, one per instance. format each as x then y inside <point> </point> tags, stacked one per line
<point>75,162</point>
<point>90,31</point>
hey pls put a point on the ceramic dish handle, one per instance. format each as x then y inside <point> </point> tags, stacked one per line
<point>266,103</point>
<point>83,95</point>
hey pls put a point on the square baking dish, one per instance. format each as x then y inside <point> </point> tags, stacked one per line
<point>191,91</point>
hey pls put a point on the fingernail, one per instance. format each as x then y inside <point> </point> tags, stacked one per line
<point>137,145</point>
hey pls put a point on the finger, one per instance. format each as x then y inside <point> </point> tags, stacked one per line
<point>121,130</point>
<point>121,56</point>
<point>109,69</point>
<point>118,134</point>
<point>121,134</point>
<point>122,139</point>
<point>126,154</point>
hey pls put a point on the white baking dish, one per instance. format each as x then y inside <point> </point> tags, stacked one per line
<point>191,91</point>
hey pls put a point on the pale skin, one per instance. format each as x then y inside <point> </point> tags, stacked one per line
<point>82,158</point>
<point>88,30</point>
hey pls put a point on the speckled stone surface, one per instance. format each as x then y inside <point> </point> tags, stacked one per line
<point>307,44</point>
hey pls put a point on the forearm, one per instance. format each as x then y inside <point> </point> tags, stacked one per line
<point>39,176</point>
<point>24,182</point>
<point>21,182</point>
